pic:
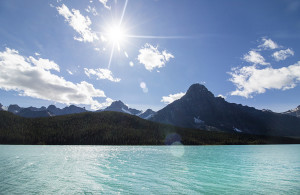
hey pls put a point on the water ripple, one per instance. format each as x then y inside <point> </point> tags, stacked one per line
<point>268,169</point>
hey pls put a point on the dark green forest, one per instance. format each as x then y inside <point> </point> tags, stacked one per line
<point>114,128</point>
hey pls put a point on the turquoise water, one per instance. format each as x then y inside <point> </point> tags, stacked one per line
<point>259,169</point>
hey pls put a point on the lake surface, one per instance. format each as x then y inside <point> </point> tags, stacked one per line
<point>257,169</point>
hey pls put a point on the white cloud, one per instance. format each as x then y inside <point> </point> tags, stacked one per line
<point>268,44</point>
<point>255,58</point>
<point>37,54</point>
<point>131,64</point>
<point>79,23</point>
<point>18,73</point>
<point>222,96</point>
<point>70,72</point>
<point>97,49</point>
<point>250,79</point>
<point>44,63</point>
<point>107,102</point>
<point>283,54</point>
<point>104,2</point>
<point>144,87</point>
<point>152,58</point>
<point>172,97</point>
<point>101,74</point>
<point>92,10</point>
<point>103,38</point>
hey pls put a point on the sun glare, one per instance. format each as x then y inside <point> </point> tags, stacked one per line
<point>116,34</point>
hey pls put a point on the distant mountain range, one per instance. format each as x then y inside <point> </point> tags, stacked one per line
<point>52,110</point>
<point>33,112</point>
<point>199,109</point>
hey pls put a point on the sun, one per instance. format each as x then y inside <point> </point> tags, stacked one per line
<point>116,34</point>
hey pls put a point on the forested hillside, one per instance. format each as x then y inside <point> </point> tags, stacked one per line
<point>113,128</point>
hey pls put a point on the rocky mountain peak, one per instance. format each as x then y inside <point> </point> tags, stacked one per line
<point>14,108</point>
<point>198,90</point>
<point>118,104</point>
<point>50,107</point>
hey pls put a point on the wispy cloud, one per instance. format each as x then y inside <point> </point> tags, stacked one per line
<point>144,87</point>
<point>152,58</point>
<point>79,23</point>
<point>104,2</point>
<point>44,63</point>
<point>251,79</point>
<point>268,44</point>
<point>70,72</point>
<point>92,10</point>
<point>101,74</point>
<point>283,54</point>
<point>172,97</point>
<point>20,74</point>
<point>255,58</point>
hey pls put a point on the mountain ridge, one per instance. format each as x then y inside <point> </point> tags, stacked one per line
<point>199,104</point>
<point>293,112</point>
<point>52,110</point>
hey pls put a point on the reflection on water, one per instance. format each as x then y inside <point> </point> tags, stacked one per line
<point>265,169</point>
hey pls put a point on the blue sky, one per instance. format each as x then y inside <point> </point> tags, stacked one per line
<point>60,52</point>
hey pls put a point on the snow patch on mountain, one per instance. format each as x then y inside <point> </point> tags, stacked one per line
<point>237,130</point>
<point>148,117</point>
<point>198,121</point>
<point>126,111</point>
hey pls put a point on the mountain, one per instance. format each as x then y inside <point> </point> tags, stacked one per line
<point>119,106</point>
<point>114,128</point>
<point>72,110</point>
<point>29,113</point>
<point>14,108</point>
<point>54,110</point>
<point>147,114</point>
<point>67,110</point>
<point>199,108</point>
<point>294,112</point>
<point>43,108</point>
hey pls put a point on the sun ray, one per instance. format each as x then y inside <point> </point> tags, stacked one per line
<point>123,12</point>
<point>156,37</point>
<point>111,55</point>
